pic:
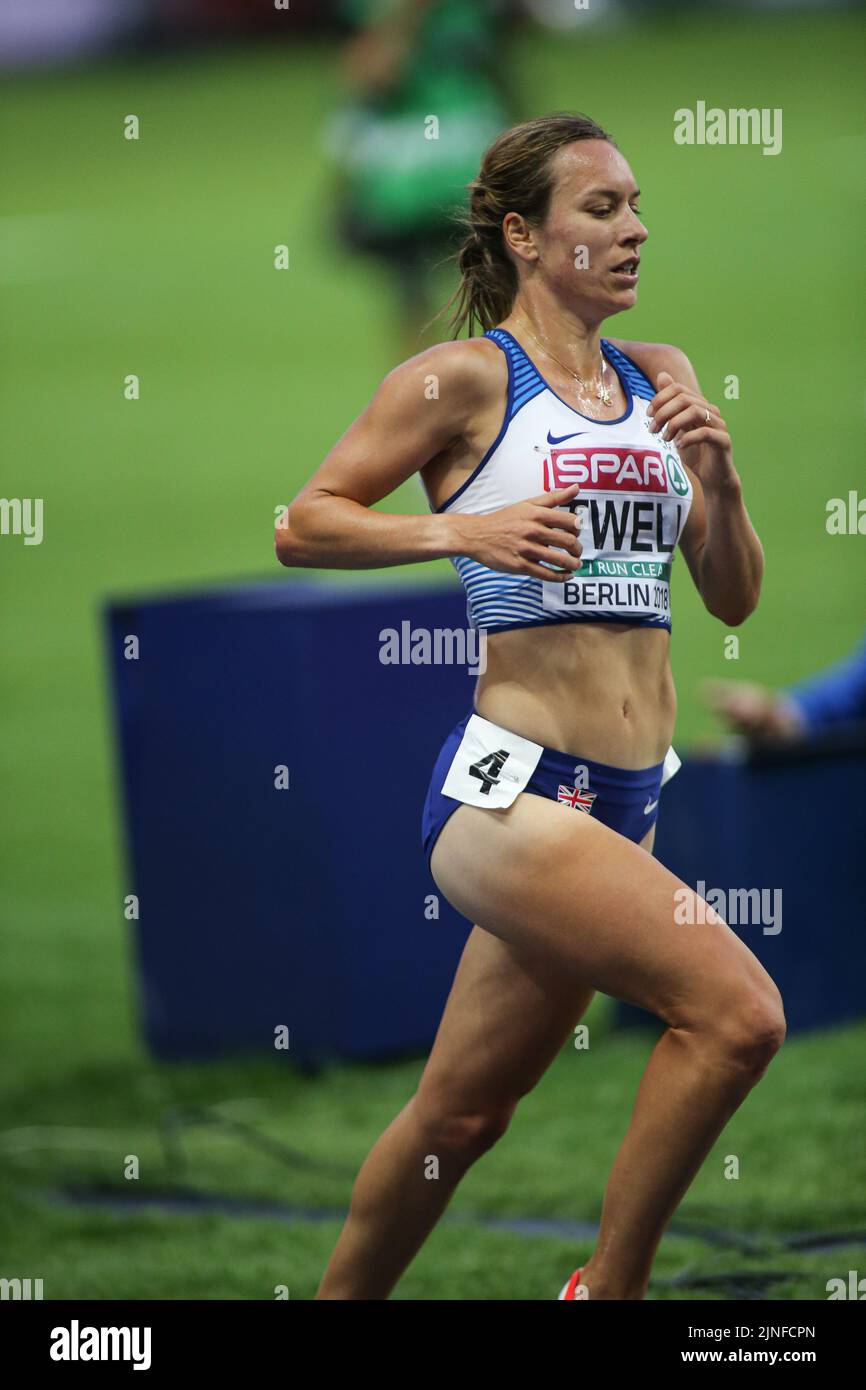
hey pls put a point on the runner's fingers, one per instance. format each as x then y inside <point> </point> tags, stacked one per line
<point>560,520</point>
<point>542,572</point>
<point>567,540</point>
<point>691,418</point>
<point>556,498</point>
<point>660,411</point>
<point>705,435</point>
<point>666,394</point>
<point>561,558</point>
<point>665,412</point>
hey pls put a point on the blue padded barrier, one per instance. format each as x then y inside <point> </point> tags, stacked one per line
<point>304,907</point>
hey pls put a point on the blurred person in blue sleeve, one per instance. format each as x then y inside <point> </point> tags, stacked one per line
<point>826,700</point>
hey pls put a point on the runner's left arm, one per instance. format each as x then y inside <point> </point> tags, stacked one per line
<point>720,545</point>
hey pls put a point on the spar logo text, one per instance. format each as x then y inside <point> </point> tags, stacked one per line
<point>615,470</point>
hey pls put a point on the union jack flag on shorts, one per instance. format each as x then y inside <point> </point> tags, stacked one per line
<point>577,798</point>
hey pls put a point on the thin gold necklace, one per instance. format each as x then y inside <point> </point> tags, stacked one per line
<point>602,392</point>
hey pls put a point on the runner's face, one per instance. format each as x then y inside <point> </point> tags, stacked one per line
<point>591,227</point>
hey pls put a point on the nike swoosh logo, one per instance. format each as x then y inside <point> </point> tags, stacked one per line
<point>650,806</point>
<point>551,439</point>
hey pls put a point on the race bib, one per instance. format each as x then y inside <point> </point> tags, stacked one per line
<point>639,588</point>
<point>491,766</point>
<point>631,521</point>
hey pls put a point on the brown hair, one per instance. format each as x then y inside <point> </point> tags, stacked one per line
<point>515,176</point>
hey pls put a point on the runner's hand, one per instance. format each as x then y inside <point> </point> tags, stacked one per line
<point>516,539</point>
<point>704,444</point>
<point>753,710</point>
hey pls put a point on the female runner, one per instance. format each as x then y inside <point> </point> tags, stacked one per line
<point>562,469</point>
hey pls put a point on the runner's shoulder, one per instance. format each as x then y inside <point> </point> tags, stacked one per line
<point>464,374</point>
<point>653,358</point>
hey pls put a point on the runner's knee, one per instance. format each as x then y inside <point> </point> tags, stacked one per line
<point>747,1023</point>
<point>461,1132</point>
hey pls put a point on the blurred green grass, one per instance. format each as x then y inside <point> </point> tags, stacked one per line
<point>156,258</point>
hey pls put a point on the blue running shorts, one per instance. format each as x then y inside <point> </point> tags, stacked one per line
<point>482,764</point>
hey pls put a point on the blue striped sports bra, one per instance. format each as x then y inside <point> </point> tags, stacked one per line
<point>634,492</point>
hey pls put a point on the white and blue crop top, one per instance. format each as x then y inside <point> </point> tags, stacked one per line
<point>634,492</point>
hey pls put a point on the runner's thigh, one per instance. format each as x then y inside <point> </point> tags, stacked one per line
<point>508,1015</point>
<point>594,906</point>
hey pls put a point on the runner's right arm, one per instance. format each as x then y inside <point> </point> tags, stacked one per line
<point>331,523</point>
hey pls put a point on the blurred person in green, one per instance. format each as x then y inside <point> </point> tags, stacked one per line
<point>424,99</point>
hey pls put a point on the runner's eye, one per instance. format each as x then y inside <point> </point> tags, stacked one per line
<point>605,212</point>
